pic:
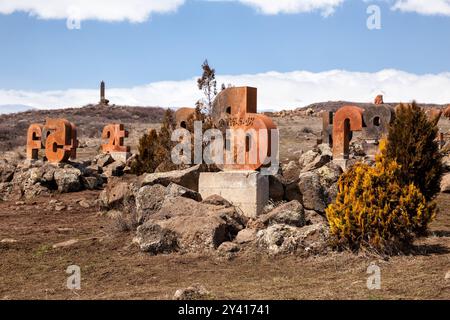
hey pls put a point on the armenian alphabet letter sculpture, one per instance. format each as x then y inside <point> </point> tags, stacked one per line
<point>58,137</point>
<point>346,120</point>
<point>250,132</point>
<point>115,134</point>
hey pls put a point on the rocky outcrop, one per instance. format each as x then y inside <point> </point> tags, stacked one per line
<point>197,226</point>
<point>284,239</point>
<point>187,178</point>
<point>149,200</point>
<point>291,213</point>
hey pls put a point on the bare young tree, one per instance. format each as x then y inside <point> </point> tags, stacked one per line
<point>207,83</point>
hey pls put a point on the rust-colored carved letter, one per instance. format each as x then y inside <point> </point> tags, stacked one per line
<point>115,133</point>
<point>60,140</point>
<point>346,120</point>
<point>34,143</point>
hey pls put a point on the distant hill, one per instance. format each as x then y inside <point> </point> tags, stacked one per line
<point>89,120</point>
<point>13,108</point>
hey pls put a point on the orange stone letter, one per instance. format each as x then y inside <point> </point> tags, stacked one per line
<point>60,138</point>
<point>115,133</point>
<point>346,120</point>
<point>34,143</point>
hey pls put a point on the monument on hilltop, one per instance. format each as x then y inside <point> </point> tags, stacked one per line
<point>103,100</point>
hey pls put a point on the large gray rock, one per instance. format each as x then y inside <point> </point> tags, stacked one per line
<point>187,178</point>
<point>68,179</point>
<point>281,238</point>
<point>322,157</point>
<point>149,200</point>
<point>114,169</point>
<point>175,190</point>
<point>116,194</point>
<point>293,192</point>
<point>312,192</point>
<point>154,239</point>
<point>104,159</point>
<point>291,213</point>
<point>307,158</point>
<point>197,226</point>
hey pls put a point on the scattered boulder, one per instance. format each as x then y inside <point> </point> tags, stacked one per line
<point>149,200</point>
<point>281,238</point>
<point>307,157</point>
<point>194,292</point>
<point>197,226</point>
<point>291,213</point>
<point>228,247</point>
<point>293,191</point>
<point>217,200</point>
<point>116,193</point>
<point>103,159</point>
<point>245,236</point>
<point>154,239</point>
<point>175,190</point>
<point>312,191</point>
<point>114,169</point>
<point>187,178</point>
<point>321,158</point>
<point>68,179</point>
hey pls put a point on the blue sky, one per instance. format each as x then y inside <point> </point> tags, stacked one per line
<point>40,54</point>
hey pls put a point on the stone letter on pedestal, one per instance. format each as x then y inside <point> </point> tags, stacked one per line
<point>346,120</point>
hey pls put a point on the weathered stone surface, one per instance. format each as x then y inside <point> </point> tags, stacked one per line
<point>194,292</point>
<point>154,239</point>
<point>92,182</point>
<point>68,180</point>
<point>6,171</point>
<point>228,247</point>
<point>115,193</point>
<point>197,226</point>
<point>175,190</point>
<point>291,213</point>
<point>114,169</point>
<point>281,238</point>
<point>291,171</point>
<point>217,201</point>
<point>312,192</point>
<point>104,159</point>
<point>276,188</point>
<point>445,183</point>
<point>187,178</point>
<point>322,157</point>
<point>307,158</point>
<point>245,236</point>
<point>149,200</point>
<point>313,217</point>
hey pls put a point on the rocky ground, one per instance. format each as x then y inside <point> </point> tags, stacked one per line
<point>146,237</point>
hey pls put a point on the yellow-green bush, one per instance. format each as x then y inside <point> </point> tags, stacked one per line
<point>373,208</point>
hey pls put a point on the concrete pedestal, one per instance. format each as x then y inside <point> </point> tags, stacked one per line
<point>247,190</point>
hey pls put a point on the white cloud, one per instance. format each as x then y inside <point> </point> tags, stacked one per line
<point>327,7</point>
<point>104,10</point>
<point>428,7</point>
<point>275,90</point>
<point>140,10</point>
